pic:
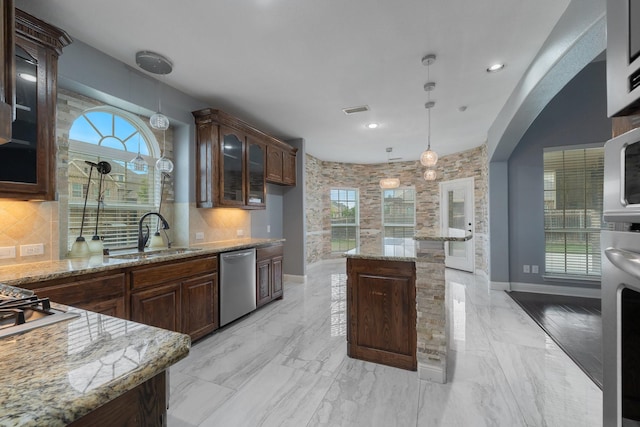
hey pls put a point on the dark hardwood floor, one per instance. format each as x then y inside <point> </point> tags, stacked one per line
<point>574,323</point>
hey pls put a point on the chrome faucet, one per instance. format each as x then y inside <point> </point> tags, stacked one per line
<point>142,239</point>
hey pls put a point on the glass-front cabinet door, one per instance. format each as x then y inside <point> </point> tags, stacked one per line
<point>28,160</point>
<point>256,189</point>
<point>231,167</point>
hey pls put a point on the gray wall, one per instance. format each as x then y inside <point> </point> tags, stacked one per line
<point>87,71</point>
<point>271,217</point>
<point>295,225</point>
<point>576,115</point>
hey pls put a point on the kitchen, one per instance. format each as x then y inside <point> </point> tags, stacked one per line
<point>82,67</point>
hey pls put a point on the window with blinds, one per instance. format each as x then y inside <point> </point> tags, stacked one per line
<point>127,193</point>
<point>573,181</point>
<point>344,219</point>
<point>398,219</point>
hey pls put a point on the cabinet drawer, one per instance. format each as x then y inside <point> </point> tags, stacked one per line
<point>150,276</point>
<point>83,291</point>
<point>269,252</point>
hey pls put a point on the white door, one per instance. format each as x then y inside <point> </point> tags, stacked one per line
<point>456,219</point>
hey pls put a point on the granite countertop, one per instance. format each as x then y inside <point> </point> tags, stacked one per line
<point>439,238</point>
<point>58,373</point>
<point>399,251</point>
<point>18,274</point>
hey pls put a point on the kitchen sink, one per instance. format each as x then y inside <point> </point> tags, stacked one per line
<point>154,254</point>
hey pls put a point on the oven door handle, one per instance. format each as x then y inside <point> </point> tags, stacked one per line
<point>627,261</point>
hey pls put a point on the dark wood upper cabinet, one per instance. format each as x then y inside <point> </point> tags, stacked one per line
<point>281,164</point>
<point>28,160</point>
<point>7,71</point>
<point>233,161</point>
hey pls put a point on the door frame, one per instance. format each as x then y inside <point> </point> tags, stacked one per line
<point>468,185</point>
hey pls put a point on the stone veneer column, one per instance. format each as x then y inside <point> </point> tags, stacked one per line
<point>431,324</point>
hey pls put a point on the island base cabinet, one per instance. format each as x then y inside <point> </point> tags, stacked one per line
<point>145,405</point>
<point>381,312</point>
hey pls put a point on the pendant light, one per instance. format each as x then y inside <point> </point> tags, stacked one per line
<point>138,162</point>
<point>429,158</point>
<point>389,183</point>
<point>158,64</point>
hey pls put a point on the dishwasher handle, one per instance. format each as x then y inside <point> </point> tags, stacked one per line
<point>236,255</point>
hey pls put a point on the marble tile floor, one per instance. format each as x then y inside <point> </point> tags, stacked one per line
<point>286,365</point>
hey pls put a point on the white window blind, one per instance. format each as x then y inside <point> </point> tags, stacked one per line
<point>573,181</point>
<point>344,219</point>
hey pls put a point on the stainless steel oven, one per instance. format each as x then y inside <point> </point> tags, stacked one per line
<point>622,178</point>
<point>621,282</point>
<point>621,328</point>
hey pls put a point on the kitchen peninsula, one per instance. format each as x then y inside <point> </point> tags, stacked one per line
<point>396,306</point>
<point>93,370</point>
<point>109,363</point>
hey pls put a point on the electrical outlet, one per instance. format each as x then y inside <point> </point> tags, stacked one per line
<point>268,229</point>
<point>525,268</point>
<point>240,232</point>
<point>199,235</point>
<point>534,269</point>
<point>7,252</point>
<point>32,250</point>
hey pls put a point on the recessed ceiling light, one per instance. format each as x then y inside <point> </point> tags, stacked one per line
<point>372,125</point>
<point>494,68</point>
<point>28,77</point>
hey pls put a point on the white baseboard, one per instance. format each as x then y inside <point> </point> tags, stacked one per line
<point>500,286</point>
<point>435,374</point>
<point>294,278</point>
<point>573,291</point>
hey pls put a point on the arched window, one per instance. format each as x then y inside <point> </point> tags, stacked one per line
<point>128,191</point>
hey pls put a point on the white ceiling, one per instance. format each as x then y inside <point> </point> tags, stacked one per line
<point>290,66</point>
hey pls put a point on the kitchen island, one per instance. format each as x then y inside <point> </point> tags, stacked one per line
<point>396,305</point>
<point>92,370</point>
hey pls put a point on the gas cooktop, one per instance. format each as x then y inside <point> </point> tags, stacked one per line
<point>21,310</point>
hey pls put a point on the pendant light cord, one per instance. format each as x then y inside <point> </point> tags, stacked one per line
<point>429,109</point>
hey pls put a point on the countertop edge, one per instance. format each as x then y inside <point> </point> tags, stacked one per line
<point>19,274</point>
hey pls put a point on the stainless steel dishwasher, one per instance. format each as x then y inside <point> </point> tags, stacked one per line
<point>237,284</point>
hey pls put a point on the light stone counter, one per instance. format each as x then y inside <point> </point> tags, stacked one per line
<point>54,375</point>
<point>431,327</point>
<point>18,274</point>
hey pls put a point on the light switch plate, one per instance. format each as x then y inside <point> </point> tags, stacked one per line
<point>7,252</point>
<point>240,232</point>
<point>32,250</point>
<point>525,268</point>
<point>534,269</point>
<point>200,235</point>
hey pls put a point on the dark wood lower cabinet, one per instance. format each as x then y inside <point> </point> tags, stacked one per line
<point>269,274</point>
<point>199,306</point>
<point>181,296</point>
<point>145,405</point>
<point>158,306</point>
<point>100,293</point>
<point>381,312</point>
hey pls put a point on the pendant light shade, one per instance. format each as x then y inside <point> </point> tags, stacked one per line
<point>430,175</point>
<point>159,121</point>
<point>429,158</point>
<point>388,183</point>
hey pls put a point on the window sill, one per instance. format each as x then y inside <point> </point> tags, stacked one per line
<point>571,278</point>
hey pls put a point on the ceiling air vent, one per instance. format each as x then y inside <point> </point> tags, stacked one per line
<point>353,110</point>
